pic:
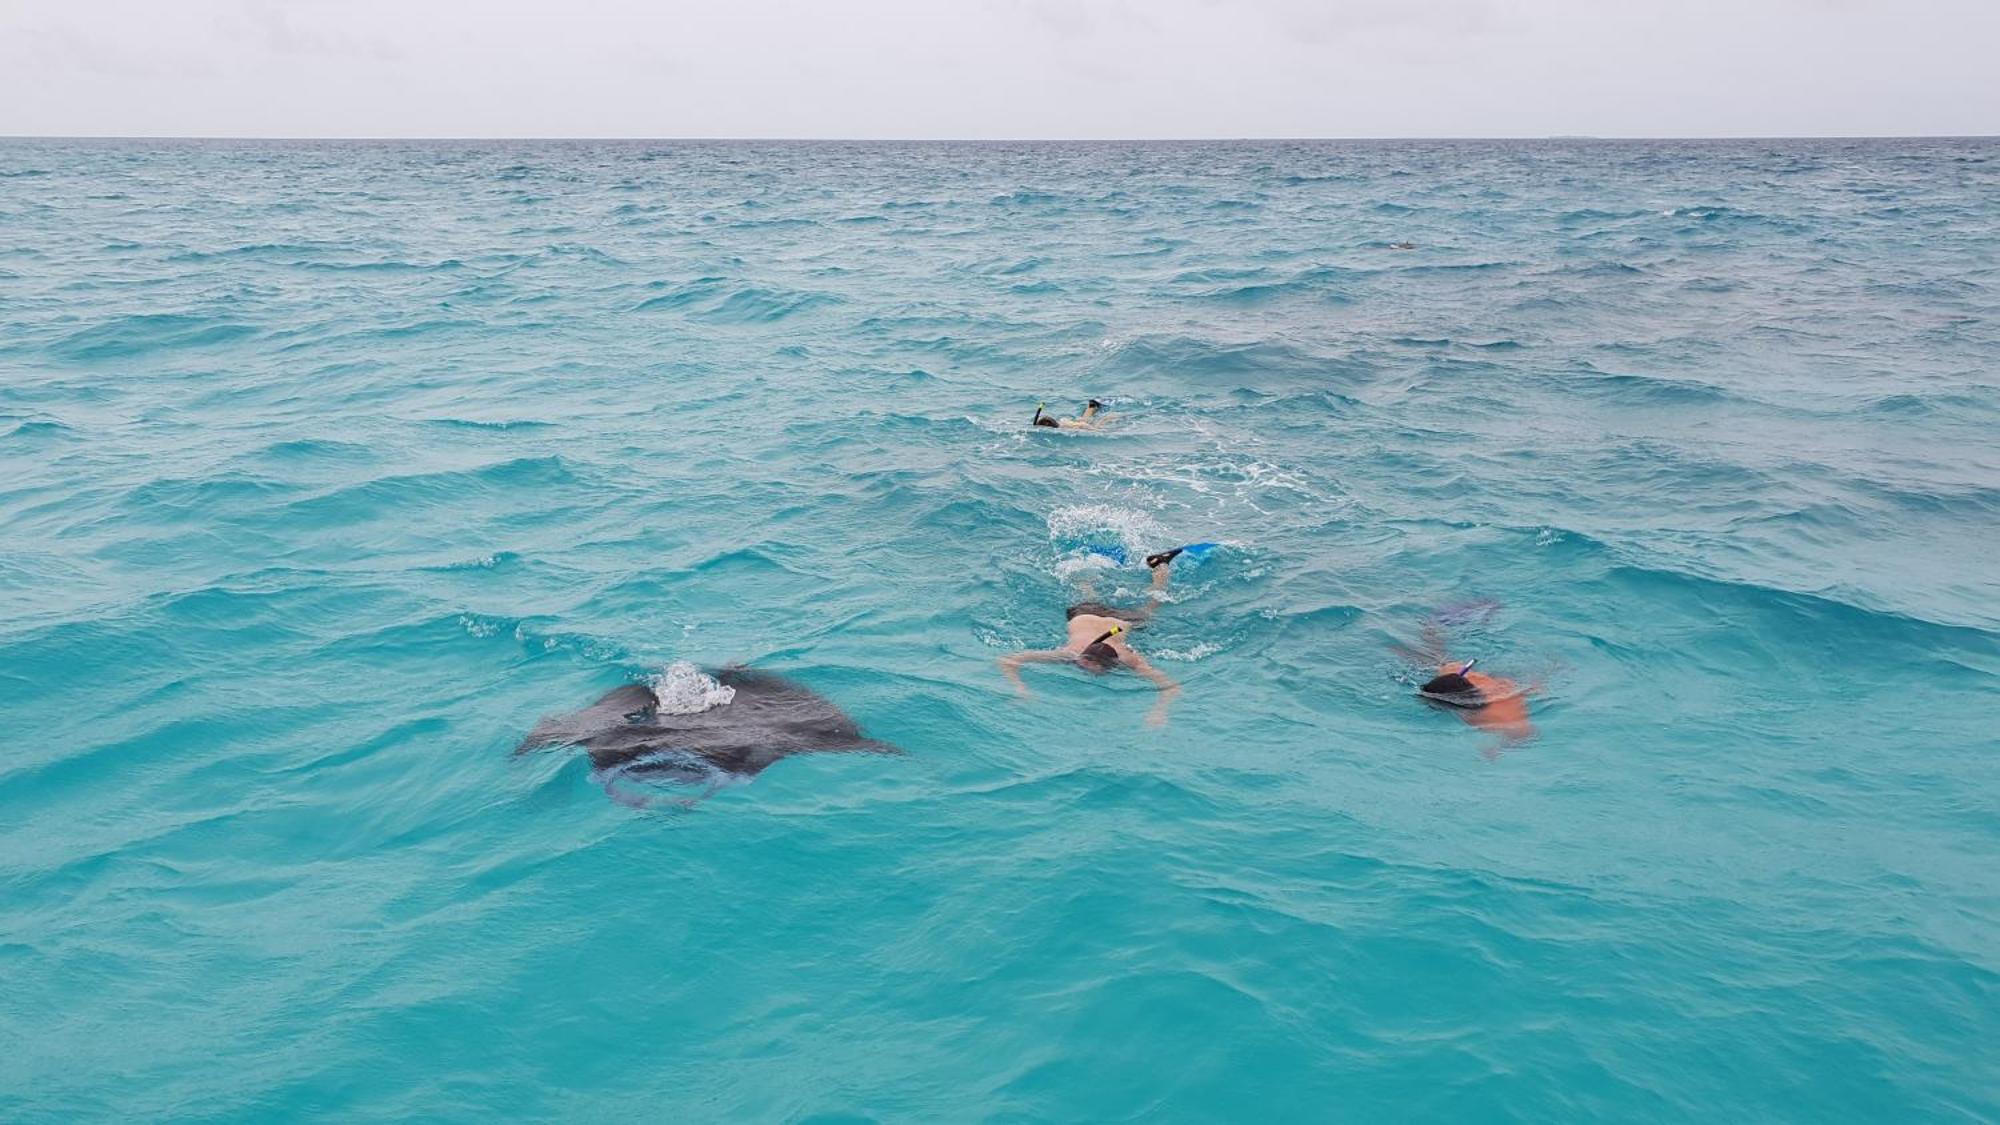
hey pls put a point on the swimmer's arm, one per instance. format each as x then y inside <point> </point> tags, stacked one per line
<point>1168,688</point>
<point>1430,650</point>
<point>1011,664</point>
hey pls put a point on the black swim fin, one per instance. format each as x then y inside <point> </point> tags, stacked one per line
<point>1163,557</point>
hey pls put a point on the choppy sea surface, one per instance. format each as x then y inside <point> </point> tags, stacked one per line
<point>327,469</point>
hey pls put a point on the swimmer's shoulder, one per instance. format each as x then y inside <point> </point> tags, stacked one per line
<point>1095,621</point>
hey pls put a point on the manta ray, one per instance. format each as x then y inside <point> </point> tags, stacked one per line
<point>744,721</point>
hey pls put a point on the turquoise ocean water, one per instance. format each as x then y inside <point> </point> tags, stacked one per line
<point>327,469</point>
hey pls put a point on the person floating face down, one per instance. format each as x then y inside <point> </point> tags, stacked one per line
<point>1085,421</point>
<point>1490,703</point>
<point>1097,642</point>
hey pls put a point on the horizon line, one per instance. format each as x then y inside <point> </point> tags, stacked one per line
<point>360,137</point>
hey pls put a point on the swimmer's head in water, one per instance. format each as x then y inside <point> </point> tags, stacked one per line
<point>1098,656</point>
<point>1453,688</point>
<point>1041,420</point>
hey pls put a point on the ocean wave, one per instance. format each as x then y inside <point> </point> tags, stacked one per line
<point>204,497</point>
<point>497,560</point>
<point>533,636</point>
<point>314,449</point>
<point>718,300</point>
<point>1446,269</point>
<point>965,519</point>
<point>1151,247</point>
<point>1835,622</point>
<point>1836,626</point>
<point>1950,288</point>
<point>568,252</point>
<point>1215,276</point>
<point>1600,270</point>
<point>1977,503</point>
<point>1595,217</point>
<point>43,429</point>
<point>291,251</point>
<point>1723,218</point>
<point>128,337</point>
<point>386,265</point>
<point>1446,342</point>
<point>1325,283</point>
<point>1647,389</point>
<point>1027,198</point>
<point>386,497</point>
<point>1076,787</point>
<point>386,333</point>
<point>743,559</point>
<point>1190,356</point>
<point>489,423</point>
<point>785,223</point>
<point>681,294</point>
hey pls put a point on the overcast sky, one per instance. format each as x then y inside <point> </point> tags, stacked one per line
<point>998,68</point>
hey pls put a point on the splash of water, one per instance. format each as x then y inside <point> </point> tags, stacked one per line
<point>684,689</point>
<point>1089,536</point>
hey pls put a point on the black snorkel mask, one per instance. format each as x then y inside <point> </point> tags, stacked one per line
<point>1099,653</point>
<point>1452,689</point>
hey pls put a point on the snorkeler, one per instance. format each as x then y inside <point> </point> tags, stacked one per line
<point>1097,642</point>
<point>1490,703</point>
<point>1084,421</point>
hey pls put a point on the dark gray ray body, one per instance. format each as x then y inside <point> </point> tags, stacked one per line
<point>769,718</point>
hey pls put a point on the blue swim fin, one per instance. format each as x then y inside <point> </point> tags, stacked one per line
<point>1194,551</point>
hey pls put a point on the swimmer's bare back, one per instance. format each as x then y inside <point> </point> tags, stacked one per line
<point>1087,627</point>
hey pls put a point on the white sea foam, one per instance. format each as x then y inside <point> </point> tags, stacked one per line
<point>684,689</point>
<point>1080,531</point>
<point>1072,566</point>
<point>1199,650</point>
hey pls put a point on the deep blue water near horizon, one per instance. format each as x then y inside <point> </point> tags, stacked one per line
<point>330,467</point>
